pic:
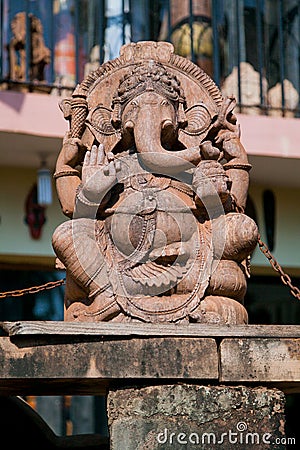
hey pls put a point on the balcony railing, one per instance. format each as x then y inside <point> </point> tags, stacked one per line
<point>251,48</point>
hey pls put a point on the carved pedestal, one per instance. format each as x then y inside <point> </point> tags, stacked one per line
<point>165,384</point>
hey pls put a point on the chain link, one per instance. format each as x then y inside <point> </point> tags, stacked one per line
<point>33,289</point>
<point>285,278</point>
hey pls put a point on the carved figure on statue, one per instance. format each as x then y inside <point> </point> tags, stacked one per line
<point>153,178</point>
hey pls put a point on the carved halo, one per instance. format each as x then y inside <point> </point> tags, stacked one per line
<point>100,86</point>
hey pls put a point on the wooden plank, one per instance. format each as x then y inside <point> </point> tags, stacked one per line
<point>87,366</point>
<point>260,360</point>
<point>146,329</point>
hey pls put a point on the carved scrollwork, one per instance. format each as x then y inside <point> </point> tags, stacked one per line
<point>99,120</point>
<point>198,118</point>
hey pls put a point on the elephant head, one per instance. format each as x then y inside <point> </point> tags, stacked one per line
<point>148,111</point>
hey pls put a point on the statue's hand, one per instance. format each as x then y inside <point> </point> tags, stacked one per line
<point>210,180</point>
<point>99,173</point>
<point>231,146</point>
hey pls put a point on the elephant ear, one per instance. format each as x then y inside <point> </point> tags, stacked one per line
<point>65,107</point>
<point>99,123</point>
<point>199,120</point>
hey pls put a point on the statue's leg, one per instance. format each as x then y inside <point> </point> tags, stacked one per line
<point>237,236</point>
<point>75,244</point>
<point>103,308</point>
<point>228,279</point>
<point>241,236</point>
<point>89,295</point>
<point>219,310</point>
<point>235,239</point>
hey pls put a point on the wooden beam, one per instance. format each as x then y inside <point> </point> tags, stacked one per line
<point>111,329</point>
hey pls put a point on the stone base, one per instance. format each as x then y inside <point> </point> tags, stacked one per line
<point>190,416</point>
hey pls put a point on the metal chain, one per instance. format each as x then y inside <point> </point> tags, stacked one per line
<point>33,289</point>
<point>285,278</point>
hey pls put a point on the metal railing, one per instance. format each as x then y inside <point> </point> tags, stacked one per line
<point>251,47</point>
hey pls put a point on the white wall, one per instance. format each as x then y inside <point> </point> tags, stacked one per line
<point>15,183</point>
<point>287,225</point>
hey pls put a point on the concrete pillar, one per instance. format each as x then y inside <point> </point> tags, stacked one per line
<point>189,416</point>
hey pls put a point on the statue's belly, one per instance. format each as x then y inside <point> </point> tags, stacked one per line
<point>153,221</point>
<point>157,253</point>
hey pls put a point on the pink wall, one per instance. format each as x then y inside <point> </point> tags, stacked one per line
<point>40,115</point>
<point>31,113</point>
<point>270,136</point>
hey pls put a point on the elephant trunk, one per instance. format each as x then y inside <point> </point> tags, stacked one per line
<point>148,133</point>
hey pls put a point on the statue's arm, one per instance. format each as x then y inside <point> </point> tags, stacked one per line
<point>84,193</point>
<point>237,165</point>
<point>99,175</point>
<point>67,177</point>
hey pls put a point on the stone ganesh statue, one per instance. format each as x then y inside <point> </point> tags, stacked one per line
<point>154,180</point>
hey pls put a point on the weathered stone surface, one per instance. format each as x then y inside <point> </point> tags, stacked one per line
<point>86,358</point>
<point>262,360</point>
<point>86,366</point>
<point>189,416</point>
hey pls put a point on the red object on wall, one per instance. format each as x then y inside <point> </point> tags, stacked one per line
<point>34,214</point>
